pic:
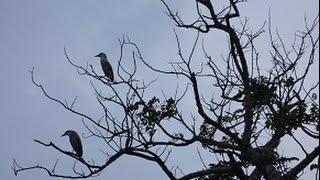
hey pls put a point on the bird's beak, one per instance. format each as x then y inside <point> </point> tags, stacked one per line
<point>63,135</point>
<point>97,55</point>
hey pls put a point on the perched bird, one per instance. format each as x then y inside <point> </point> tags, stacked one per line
<point>74,141</point>
<point>106,66</point>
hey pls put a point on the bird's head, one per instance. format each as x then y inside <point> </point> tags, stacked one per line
<point>101,55</point>
<point>68,133</point>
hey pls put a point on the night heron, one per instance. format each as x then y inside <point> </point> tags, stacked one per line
<point>106,66</point>
<point>74,141</point>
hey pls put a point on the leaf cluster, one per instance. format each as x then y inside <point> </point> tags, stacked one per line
<point>152,112</point>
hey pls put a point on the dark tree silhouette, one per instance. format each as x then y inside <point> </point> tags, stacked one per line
<point>242,125</point>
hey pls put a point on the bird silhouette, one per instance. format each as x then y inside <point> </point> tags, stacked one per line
<point>106,66</point>
<point>75,141</point>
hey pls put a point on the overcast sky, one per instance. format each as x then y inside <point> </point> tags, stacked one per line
<point>33,34</point>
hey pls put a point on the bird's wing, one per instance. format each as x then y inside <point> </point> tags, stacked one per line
<point>76,144</point>
<point>107,69</point>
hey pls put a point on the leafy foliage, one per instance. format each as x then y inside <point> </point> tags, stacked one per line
<point>153,112</point>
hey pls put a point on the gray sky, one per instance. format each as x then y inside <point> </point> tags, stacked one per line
<point>33,34</point>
